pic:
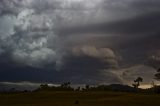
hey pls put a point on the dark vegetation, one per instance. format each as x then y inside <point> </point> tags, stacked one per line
<point>80,98</point>
<point>100,88</point>
<point>65,95</point>
<point>101,95</point>
<point>66,86</point>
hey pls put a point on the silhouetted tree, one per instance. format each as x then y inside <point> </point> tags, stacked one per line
<point>44,86</point>
<point>87,87</point>
<point>137,82</point>
<point>157,75</point>
<point>66,85</point>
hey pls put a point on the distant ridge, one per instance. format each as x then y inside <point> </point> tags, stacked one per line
<point>119,87</point>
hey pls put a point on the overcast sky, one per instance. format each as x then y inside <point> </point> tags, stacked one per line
<point>81,41</point>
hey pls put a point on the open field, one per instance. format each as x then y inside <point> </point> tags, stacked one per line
<point>49,98</point>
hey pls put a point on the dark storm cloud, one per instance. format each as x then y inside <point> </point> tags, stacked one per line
<point>136,38</point>
<point>144,24</point>
<point>154,59</point>
<point>78,40</point>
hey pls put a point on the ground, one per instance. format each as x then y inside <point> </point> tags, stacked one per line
<point>50,98</point>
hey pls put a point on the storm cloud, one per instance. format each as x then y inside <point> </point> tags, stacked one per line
<point>83,41</point>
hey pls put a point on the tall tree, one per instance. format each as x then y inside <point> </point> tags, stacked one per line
<point>137,82</point>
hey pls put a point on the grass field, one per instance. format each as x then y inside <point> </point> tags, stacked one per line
<point>49,98</point>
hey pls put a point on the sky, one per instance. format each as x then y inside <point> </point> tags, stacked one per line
<point>81,41</point>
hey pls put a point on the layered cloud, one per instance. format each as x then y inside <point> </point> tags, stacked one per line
<point>105,55</point>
